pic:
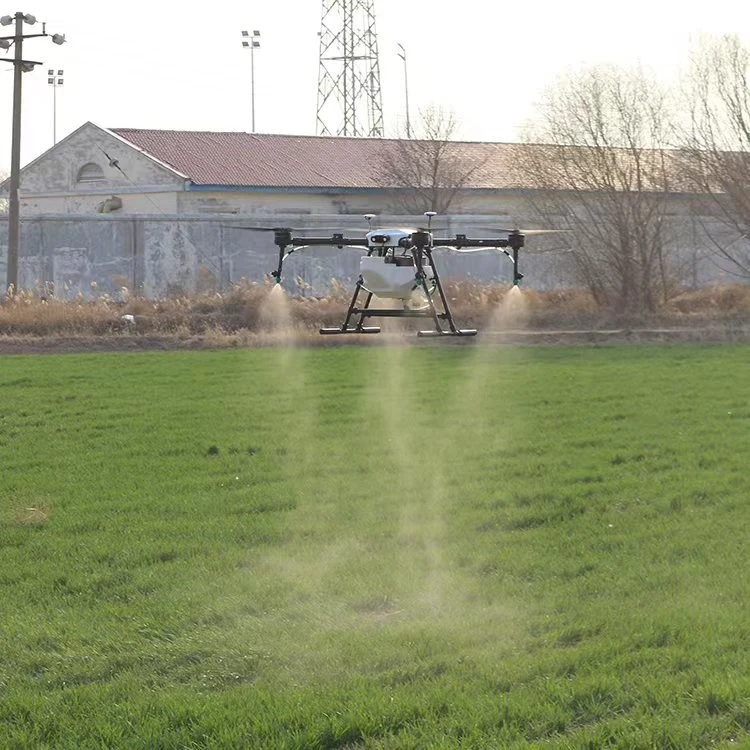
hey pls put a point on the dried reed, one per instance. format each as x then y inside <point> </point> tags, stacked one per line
<point>236,312</point>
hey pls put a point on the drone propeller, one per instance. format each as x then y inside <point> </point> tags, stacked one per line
<point>304,230</point>
<point>258,229</point>
<point>337,230</point>
<point>527,232</point>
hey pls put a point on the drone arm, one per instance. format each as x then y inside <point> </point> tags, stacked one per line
<point>515,241</point>
<point>283,239</point>
<point>335,240</point>
<point>461,240</point>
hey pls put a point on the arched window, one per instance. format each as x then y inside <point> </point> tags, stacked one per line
<point>90,173</point>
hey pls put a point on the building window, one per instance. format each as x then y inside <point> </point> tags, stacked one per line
<point>90,173</point>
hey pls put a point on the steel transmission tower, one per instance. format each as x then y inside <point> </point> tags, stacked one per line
<point>349,98</point>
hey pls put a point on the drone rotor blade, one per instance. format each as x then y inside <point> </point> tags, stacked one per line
<point>258,229</point>
<point>337,230</point>
<point>527,232</point>
<point>303,230</point>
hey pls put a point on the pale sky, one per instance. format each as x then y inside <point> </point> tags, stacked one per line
<point>167,64</point>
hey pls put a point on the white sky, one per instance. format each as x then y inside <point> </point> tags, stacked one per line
<point>167,64</point>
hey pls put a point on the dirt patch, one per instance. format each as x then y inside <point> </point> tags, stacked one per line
<point>730,332</point>
<point>29,516</point>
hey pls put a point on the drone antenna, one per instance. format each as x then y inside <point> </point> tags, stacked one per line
<point>368,219</point>
<point>429,215</point>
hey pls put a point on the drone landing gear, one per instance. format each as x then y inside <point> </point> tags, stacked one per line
<point>439,318</point>
<point>457,332</point>
<point>363,329</point>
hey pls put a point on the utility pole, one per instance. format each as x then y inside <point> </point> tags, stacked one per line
<point>402,55</point>
<point>20,66</point>
<point>14,223</point>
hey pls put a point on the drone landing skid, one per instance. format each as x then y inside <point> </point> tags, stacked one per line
<point>457,332</point>
<point>336,331</point>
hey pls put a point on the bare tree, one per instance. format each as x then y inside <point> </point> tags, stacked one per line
<point>716,146</point>
<point>602,172</point>
<point>429,172</point>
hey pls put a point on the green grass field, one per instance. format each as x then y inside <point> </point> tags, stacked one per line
<point>433,547</point>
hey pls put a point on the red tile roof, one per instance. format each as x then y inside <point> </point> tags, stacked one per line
<point>251,159</point>
<point>289,161</point>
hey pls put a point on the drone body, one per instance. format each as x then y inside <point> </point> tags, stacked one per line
<point>398,264</point>
<point>388,271</point>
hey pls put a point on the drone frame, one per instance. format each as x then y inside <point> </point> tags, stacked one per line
<point>421,244</point>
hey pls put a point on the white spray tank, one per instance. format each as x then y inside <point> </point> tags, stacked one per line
<point>393,274</point>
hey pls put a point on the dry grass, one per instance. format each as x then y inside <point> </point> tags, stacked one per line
<point>477,303</point>
<point>30,517</point>
<point>728,299</point>
<point>19,513</point>
<point>235,317</point>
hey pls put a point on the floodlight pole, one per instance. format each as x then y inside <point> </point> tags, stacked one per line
<point>20,66</point>
<point>251,43</point>
<point>402,55</point>
<point>54,80</point>
<point>252,82</point>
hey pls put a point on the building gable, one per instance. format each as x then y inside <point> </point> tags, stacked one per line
<point>94,160</point>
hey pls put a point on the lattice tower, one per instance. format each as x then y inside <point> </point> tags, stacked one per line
<point>349,97</point>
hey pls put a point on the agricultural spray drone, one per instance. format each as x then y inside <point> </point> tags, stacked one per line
<point>400,266</point>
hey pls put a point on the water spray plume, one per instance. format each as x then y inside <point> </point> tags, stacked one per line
<point>276,316</point>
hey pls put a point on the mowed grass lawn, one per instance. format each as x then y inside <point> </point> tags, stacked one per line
<point>376,547</point>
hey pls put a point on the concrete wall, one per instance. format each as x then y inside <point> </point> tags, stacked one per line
<point>133,203</point>
<point>250,202</point>
<point>180,199</point>
<point>159,255</point>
